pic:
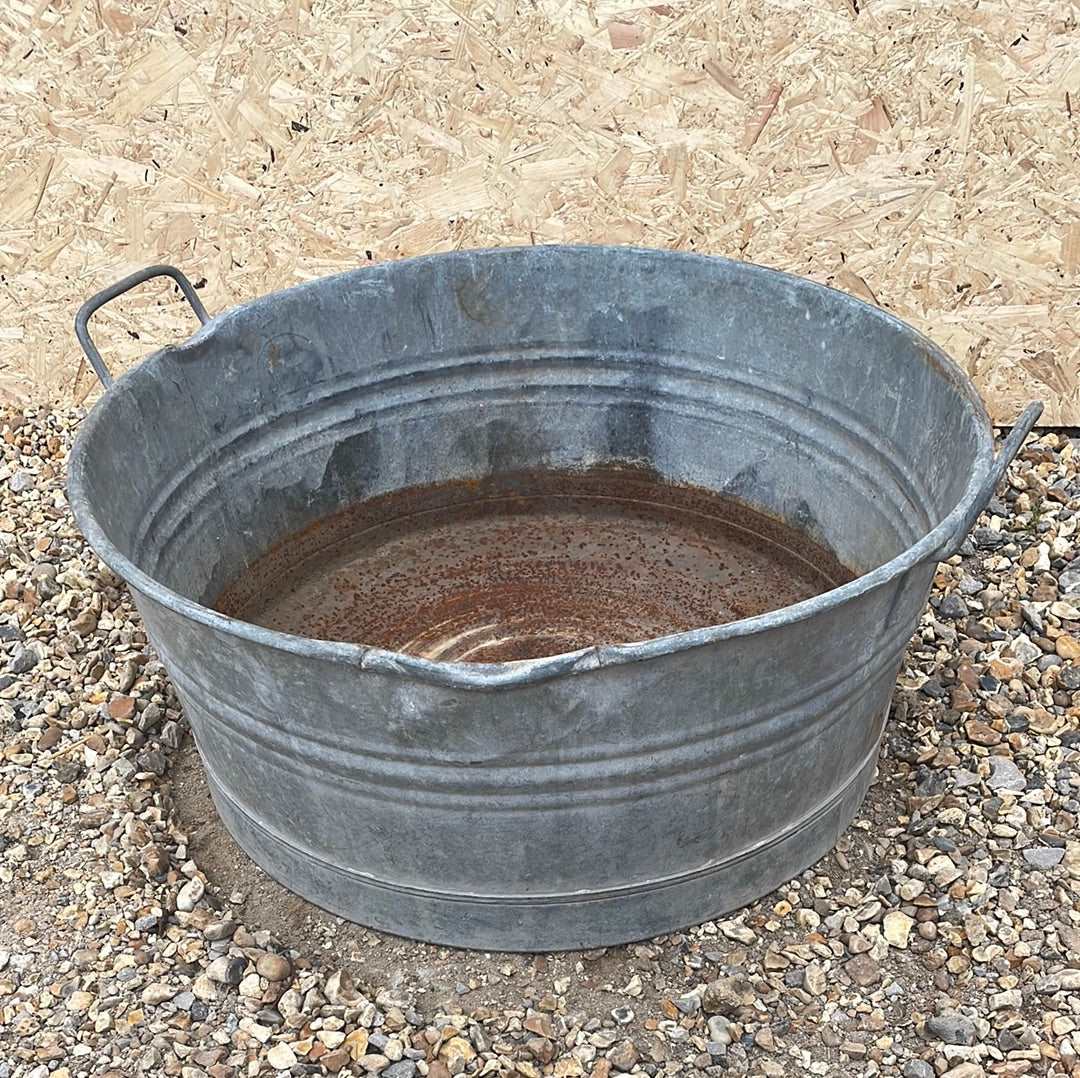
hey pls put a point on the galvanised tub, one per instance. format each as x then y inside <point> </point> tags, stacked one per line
<point>580,799</point>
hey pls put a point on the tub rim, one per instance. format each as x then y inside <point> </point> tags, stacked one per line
<point>521,672</point>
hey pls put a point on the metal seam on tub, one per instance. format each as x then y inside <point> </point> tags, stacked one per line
<point>555,358</point>
<point>207,485</point>
<point>607,790</point>
<point>819,811</point>
<point>570,796</point>
<point>195,515</point>
<point>469,396</point>
<point>890,649</point>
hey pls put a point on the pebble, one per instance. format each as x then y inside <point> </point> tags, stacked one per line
<point>1011,999</point>
<point>1024,650</point>
<point>1044,857</point>
<point>965,1070</point>
<point>953,607</point>
<point>281,1057</point>
<point>1069,581</point>
<point>897,927</point>
<point>863,970</point>
<point>952,1029</point>
<point>274,967</point>
<point>720,1030</point>
<point>156,860</point>
<point>20,482</point>
<point>151,761</point>
<point>1068,647</point>
<point>814,979</point>
<point>981,733</point>
<point>1005,775</point>
<point>172,735</point>
<point>227,970</point>
<point>726,995</point>
<point>23,659</point>
<point>190,894</point>
<point>623,1056</point>
<point>80,1001</point>
<point>739,932</point>
<point>157,993</point>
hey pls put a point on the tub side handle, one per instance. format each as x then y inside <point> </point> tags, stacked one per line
<point>1021,429</point>
<point>82,319</point>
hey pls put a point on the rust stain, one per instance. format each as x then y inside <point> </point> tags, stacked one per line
<point>530,564</point>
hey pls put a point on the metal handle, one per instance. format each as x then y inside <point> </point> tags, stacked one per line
<point>82,319</point>
<point>1021,429</point>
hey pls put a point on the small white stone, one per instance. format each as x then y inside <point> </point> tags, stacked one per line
<point>190,893</point>
<point>158,993</point>
<point>896,928</point>
<point>260,1032</point>
<point>281,1057</point>
<point>814,979</point>
<point>1042,565</point>
<point>737,931</point>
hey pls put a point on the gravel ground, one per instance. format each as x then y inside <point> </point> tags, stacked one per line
<point>941,937</point>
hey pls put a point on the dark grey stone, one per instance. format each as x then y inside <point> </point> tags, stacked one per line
<point>952,1029</point>
<point>953,607</point>
<point>23,659</point>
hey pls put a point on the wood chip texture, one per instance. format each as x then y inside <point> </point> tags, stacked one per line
<point>921,155</point>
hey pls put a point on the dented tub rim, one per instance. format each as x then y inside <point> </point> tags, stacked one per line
<point>500,675</point>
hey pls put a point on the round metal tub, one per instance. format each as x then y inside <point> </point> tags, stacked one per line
<point>585,798</point>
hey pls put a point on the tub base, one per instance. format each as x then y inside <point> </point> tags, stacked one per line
<point>548,922</point>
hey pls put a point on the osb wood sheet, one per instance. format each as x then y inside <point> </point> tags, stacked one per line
<point>922,155</point>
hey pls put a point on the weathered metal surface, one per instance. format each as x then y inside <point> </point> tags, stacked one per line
<point>589,797</point>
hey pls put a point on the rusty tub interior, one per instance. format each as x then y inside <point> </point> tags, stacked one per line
<point>530,564</point>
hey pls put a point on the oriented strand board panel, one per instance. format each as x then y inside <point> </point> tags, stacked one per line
<point>922,154</point>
